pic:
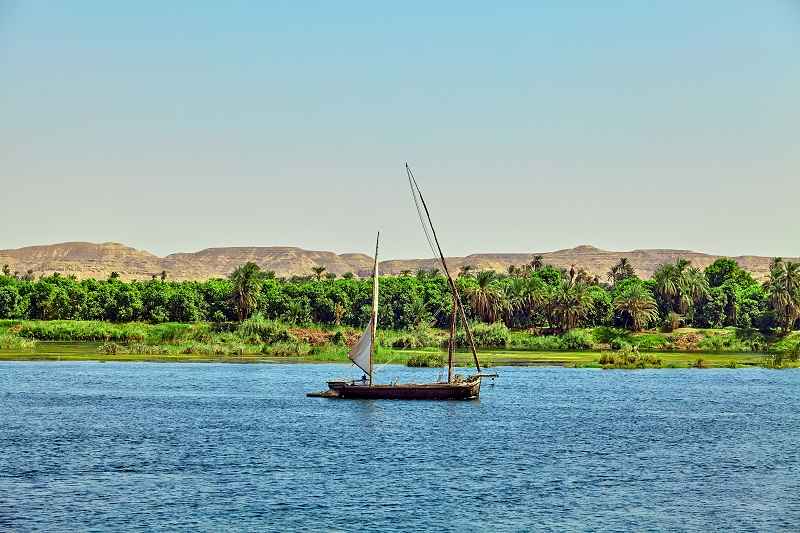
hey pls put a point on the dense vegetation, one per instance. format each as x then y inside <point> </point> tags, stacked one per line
<point>532,307</point>
<point>529,296</point>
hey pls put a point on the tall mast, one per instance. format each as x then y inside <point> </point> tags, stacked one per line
<point>374,320</point>
<point>450,282</point>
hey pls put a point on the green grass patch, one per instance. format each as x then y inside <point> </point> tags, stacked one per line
<point>66,330</point>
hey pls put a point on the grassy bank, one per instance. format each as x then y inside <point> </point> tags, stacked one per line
<point>259,340</point>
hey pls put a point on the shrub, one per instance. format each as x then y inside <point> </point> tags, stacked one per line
<point>618,343</point>
<point>485,336</point>
<point>426,359</point>
<point>629,357</point>
<point>338,338</point>
<point>650,341</point>
<point>202,333</point>
<point>419,336</point>
<point>606,334</point>
<point>752,339</point>
<point>671,322</point>
<point>112,348</point>
<point>766,321</point>
<point>9,340</point>
<point>542,342</point>
<point>259,329</point>
<point>608,358</point>
<point>147,349</point>
<point>576,340</point>
<point>168,333</point>
<point>794,354</point>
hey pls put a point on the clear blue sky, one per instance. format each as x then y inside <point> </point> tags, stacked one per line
<point>531,126</point>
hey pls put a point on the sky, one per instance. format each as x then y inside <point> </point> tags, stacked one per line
<point>530,126</point>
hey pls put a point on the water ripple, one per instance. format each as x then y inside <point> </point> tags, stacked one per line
<point>206,447</point>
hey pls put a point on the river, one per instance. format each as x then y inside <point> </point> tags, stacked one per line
<point>89,446</point>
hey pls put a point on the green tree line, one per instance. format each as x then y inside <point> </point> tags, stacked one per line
<point>526,296</point>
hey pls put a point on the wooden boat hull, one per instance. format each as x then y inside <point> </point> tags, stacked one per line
<point>464,390</point>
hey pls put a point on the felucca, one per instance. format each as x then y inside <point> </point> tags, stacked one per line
<point>457,387</point>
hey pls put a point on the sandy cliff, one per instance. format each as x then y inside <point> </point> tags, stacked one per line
<point>89,260</point>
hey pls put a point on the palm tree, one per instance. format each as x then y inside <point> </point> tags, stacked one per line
<point>622,270</point>
<point>433,272</point>
<point>247,284</point>
<point>639,304</point>
<point>625,269</point>
<point>534,297</point>
<point>545,297</point>
<point>572,302</point>
<point>416,310</point>
<point>668,283</point>
<point>682,264</point>
<point>405,272</point>
<point>681,285</point>
<point>693,289</point>
<point>783,288</point>
<point>318,270</point>
<point>537,263</point>
<point>483,297</point>
<point>465,271</point>
<point>296,313</point>
<point>611,275</point>
<point>511,300</point>
<point>581,276</point>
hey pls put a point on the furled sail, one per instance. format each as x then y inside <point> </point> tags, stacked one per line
<point>360,353</point>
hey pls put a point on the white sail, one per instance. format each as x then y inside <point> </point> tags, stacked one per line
<point>361,352</point>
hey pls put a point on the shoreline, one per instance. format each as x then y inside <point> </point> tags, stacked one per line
<point>90,351</point>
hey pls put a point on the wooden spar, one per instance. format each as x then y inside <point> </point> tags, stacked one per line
<point>450,282</point>
<point>374,318</point>
<point>451,345</point>
<point>466,325</point>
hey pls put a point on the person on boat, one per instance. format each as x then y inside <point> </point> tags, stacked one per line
<point>363,379</point>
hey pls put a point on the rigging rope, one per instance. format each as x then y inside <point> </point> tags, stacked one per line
<point>423,218</point>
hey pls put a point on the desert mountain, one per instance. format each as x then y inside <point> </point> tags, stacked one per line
<point>89,260</point>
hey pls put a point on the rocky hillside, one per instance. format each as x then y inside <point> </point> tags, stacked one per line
<point>88,260</point>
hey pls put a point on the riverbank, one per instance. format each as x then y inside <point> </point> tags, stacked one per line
<point>93,351</point>
<point>266,341</point>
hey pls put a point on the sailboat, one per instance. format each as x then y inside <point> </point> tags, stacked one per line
<point>457,387</point>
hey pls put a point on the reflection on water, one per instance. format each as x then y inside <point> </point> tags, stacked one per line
<point>130,446</point>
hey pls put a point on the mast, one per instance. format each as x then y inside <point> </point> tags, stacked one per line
<point>374,318</point>
<point>450,282</point>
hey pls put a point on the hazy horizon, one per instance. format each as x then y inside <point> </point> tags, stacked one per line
<point>530,126</point>
<point>420,258</point>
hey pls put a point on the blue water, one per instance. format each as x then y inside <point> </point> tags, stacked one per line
<point>214,447</point>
